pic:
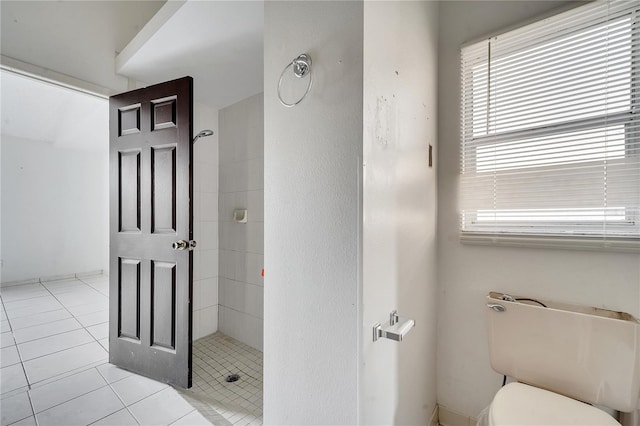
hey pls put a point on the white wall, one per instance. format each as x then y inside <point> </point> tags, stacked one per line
<point>312,215</point>
<point>242,244</point>
<point>54,210</point>
<point>205,222</point>
<point>466,383</point>
<point>399,209</point>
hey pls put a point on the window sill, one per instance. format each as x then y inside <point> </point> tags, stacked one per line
<point>630,245</point>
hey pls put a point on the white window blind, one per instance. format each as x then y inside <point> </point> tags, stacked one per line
<point>551,126</point>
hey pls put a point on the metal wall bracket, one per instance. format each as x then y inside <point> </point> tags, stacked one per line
<point>395,329</point>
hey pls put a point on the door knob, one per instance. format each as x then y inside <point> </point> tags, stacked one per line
<point>180,245</point>
<point>184,245</point>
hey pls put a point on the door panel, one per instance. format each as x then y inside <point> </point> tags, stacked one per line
<point>129,295</point>
<point>163,177</point>
<point>129,192</point>
<point>151,186</point>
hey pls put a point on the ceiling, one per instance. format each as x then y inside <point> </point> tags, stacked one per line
<point>39,111</point>
<point>77,38</point>
<point>218,43</point>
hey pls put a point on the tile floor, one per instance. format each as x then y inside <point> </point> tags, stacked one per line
<point>239,403</point>
<point>54,369</point>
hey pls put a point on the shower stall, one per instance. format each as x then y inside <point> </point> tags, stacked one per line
<point>228,222</point>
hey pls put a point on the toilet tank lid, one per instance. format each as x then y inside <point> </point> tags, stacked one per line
<point>520,404</point>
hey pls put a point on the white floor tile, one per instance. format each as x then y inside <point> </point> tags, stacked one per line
<point>15,408</point>
<point>192,419</point>
<point>39,319</point>
<point>51,344</point>
<point>162,408</point>
<point>4,326</point>
<point>105,343</point>
<point>46,330</point>
<point>102,287</point>
<point>99,331</point>
<point>9,356</point>
<point>119,418</point>
<point>83,410</point>
<point>135,387</point>
<point>24,287</point>
<point>63,390</point>
<point>29,421</point>
<point>12,378</point>
<point>61,362</point>
<point>93,318</point>
<point>88,308</point>
<point>75,298</point>
<point>71,288</point>
<point>111,373</point>
<point>21,293</point>
<point>40,302</point>
<point>6,339</point>
<point>39,308</point>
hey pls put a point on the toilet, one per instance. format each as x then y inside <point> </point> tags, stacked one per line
<point>565,359</point>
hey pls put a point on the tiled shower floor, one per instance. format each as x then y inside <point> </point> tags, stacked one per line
<point>239,403</point>
<point>54,367</point>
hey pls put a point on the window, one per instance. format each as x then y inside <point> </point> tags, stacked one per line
<point>551,127</point>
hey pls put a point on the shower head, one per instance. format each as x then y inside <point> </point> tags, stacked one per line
<point>203,134</point>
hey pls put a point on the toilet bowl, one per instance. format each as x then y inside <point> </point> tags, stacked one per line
<point>520,404</point>
<point>564,358</point>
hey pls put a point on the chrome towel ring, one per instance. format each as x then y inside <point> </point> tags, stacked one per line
<point>301,68</point>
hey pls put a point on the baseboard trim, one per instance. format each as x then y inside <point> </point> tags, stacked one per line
<point>447,417</point>
<point>77,275</point>
<point>433,421</point>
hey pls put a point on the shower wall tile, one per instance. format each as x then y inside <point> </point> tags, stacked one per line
<point>241,266</point>
<point>208,264</point>
<point>196,260</point>
<point>255,204</point>
<point>209,292</point>
<point>205,222</point>
<point>209,234</point>
<point>209,179</point>
<point>254,268</point>
<point>208,206</point>
<point>255,174</point>
<point>241,245</point>
<point>227,264</point>
<point>197,300</point>
<point>209,320</point>
<point>196,325</point>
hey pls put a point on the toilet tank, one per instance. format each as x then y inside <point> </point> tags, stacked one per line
<point>585,353</point>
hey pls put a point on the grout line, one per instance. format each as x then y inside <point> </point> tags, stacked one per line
<point>55,352</point>
<point>69,400</point>
<point>126,407</point>
<point>76,317</point>
<point>26,378</point>
<point>37,313</point>
<point>81,327</point>
<point>190,412</point>
<point>50,335</point>
<point>66,374</point>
